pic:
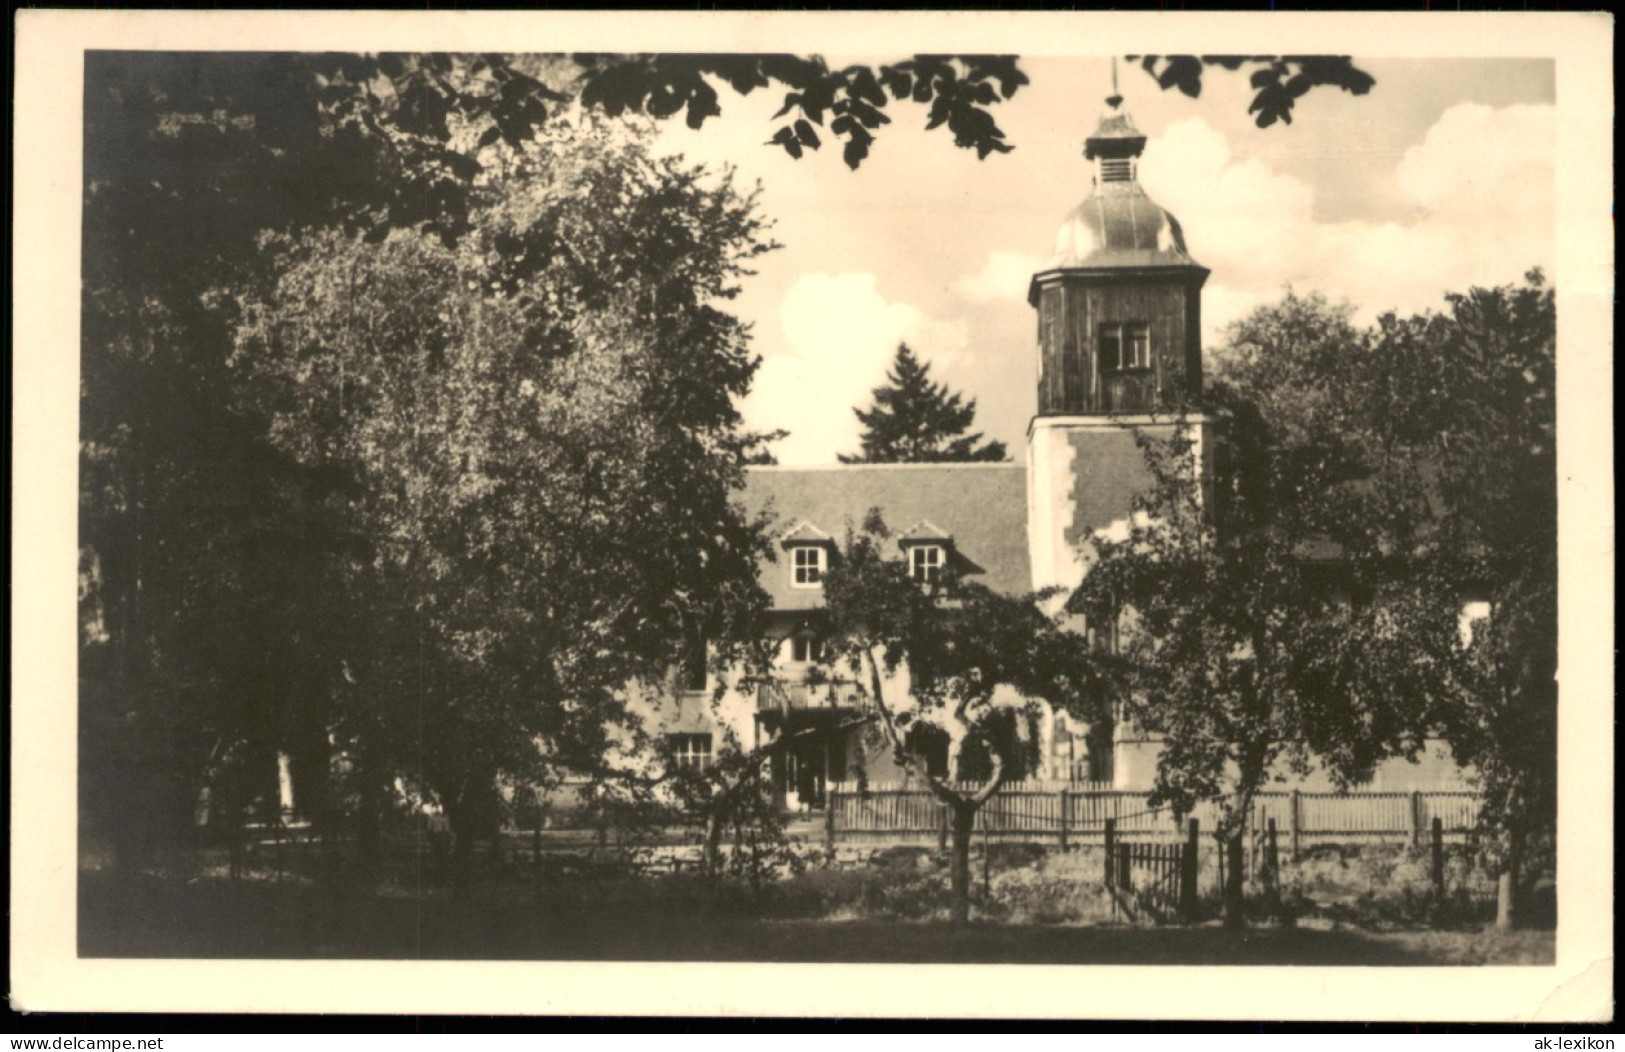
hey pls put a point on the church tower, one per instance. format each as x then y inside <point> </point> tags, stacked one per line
<point>1119,344</point>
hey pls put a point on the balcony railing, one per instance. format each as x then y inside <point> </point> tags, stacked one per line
<point>773,695</point>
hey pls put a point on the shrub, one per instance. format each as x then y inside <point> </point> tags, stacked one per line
<point>1387,887</point>
<point>1053,889</point>
<point>897,888</point>
<point>1017,856</point>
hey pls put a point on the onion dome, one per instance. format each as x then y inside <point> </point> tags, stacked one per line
<point>1118,225</point>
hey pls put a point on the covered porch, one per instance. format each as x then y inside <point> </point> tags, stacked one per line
<point>825,724</point>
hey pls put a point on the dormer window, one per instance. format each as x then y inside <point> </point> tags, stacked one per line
<point>807,565</point>
<point>925,562</point>
<point>926,546</point>
<point>1124,346</point>
<point>808,548</point>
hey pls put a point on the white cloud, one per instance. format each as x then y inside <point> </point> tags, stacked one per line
<point>1004,276</point>
<point>1222,305</point>
<point>840,335</point>
<point>1245,221</point>
<point>1479,189</point>
<point>1488,153</point>
<point>1487,175</point>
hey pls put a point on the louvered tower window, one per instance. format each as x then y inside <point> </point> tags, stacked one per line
<point>1116,169</point>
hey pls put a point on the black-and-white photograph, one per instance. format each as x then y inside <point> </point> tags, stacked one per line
<point>831,506</point>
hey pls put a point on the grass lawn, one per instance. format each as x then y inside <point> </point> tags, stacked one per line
<point>207,917</point>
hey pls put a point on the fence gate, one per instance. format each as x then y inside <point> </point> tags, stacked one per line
<point>1157,876</point>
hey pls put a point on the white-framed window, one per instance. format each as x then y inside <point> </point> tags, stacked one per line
<point>1102,634</point>
<point>1139,346</point>
<point>806,648</point>
<point>1473,614</point>
<point>807,565</point>
<point>925,562</point>
<point>1125,345</point>
<point>692,676</point>
<point>691,752</point>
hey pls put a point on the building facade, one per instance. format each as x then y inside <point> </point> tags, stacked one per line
<point>1118,310</point>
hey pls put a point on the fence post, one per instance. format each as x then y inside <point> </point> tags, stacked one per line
<point>987,863</point>
<point>942,829</point>
<point>536,857</point>
<point>1272,859</point>
<point>1437,868</point>
<point>829,821</point>
<point>1187,871</point>
<point>1506,892</point>
<point>237,833</point>
<point>1111,852</point>
<point>1296,817</point>
<point>1416,818</point>
<point>1066,817</point>
<point>1125,866</point>
<point>1272,869</point>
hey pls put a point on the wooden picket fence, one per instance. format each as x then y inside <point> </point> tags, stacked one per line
<point>1068,815</point>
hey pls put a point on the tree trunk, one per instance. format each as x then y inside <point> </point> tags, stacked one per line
<point>124,844</point>
<point>715,824</point>
<point>1506,893</point>
<point>1235,915</point>
<point>369,829</point>
<point>236,835</point>
<point>964,822</point>
<point>1253,764</point>
<point>462,824</point>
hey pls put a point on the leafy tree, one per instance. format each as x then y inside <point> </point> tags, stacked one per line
<point>958,89</point>
<point>544,446</point>
<point>1240,654</point>
<point>915,420</point>
<point>761,453</point>
<point>956,658</point>
<point>220,605</point>
<point>1279,81</point>
<point>251,141</point>
<point>1304,604</point>
<point>203,545</point>
<point>1452,418</point>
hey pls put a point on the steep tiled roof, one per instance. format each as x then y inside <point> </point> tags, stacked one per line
<point>983,507</point>
<point>1109,474</point>
<point>805,532</point>
<point>925,531</point>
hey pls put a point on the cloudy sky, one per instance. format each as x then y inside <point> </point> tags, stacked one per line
<point>1440,178</point>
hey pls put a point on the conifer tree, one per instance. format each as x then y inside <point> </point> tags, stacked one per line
<point>915,420</point>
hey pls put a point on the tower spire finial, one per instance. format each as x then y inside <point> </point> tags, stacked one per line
<point>1115,99</point>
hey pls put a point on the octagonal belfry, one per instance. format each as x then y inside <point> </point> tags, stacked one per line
<point>1119,303</point>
